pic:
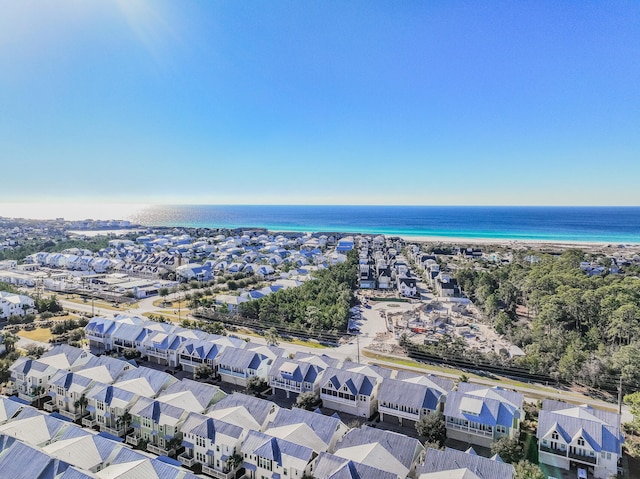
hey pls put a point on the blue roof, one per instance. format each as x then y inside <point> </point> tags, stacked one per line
<point>324,426</point>
<point>451,459</point>
<point>24,461</point>
<point>403,448</point>
<point>258,408</point>
<point>273,448</point>
<point>601,429</point>
<point>329,466</point>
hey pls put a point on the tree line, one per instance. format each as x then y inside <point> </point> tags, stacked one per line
<point>576,327</point>
<point>321,304</point>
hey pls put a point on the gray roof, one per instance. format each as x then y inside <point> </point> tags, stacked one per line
<point>329,466</point>
<point>404,448</point>
<point>451,459</point>
<point>492,406</point>
<point>23,461</point>
<point>417,396</point>
<point>357,383</point>
<point>273,448</point>
<point>240,358</point>
<point>258,408</point>
<point>601,429</point>
<point>324,426</point>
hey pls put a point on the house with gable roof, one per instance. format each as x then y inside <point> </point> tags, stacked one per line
<point>108,408</point>
<point>267,457</point>
<point>405,401</point>
<point>31,377</point>
<point>158,424</point>
<point>454,464</point>
<point>68,394</point>
<point>384,450</point>
<point>196,352</point>
<point>295,376</point>
<point>212,443</point>
<point>330,466</point>
<point>571,437</point>
<point>245,411</point>
<point>311,429</point>
<point>236,366</point>
<point>350,391</point>
<point>480,415</point>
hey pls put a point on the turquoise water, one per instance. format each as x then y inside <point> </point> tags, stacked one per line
<point>588,224</point>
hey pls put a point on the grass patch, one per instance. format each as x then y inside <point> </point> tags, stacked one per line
<point>38,334</point>
<point>415,364</point>
<point>97,303</point>
<point>296,341</point>
<point>530,447</point>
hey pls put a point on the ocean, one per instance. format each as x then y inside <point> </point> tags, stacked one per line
<point>616,225</point>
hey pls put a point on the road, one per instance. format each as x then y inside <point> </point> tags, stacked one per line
<point>370,324</point>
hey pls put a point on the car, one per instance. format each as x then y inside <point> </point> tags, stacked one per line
<point>354,330</point>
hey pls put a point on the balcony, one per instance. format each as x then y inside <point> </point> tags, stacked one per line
<point>133,439</point>
<point>89,421</point>
<point>114,432</point>
<point>581,458</point>
<point>470,430</point>
<point>288,386</point>
<point>160,451</point>
<point>50,406</point>
<point>74,416</point>
<point>551,450</point>
<point>210,471</point>
<point>186,459</point>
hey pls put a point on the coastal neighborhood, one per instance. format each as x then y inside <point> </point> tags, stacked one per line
<point>160,392</point>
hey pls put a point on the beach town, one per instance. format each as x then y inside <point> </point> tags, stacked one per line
<point>146,371</point>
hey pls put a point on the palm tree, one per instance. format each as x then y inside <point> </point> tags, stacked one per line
<point>81,403</point>
<point>10,341</point>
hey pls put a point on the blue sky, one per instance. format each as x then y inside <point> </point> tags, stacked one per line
<point>322,102</point>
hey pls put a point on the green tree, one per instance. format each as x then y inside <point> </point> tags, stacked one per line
<point>204,371</point>
<point>306,400</point>
<point>633,401</point>
<point>256,385</point>
<point>432,428</point>
<point>508,448</point>
<point>527,470</point>
<point>272,337</point>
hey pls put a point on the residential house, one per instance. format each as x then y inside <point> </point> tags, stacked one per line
<point>145,381</point>
<point>68,394</point>
<point>311,429</point>
<point>108,408</point>
<point>349,391</point>
<point>457,464</point>
<point>157,424</point>
<point>407,285</point>
<point>329,466</point>
<point>406,401</point>
<point>34,427</point>
<point>196,352</point>
<point>267,457</point>
<point>571,437</point>
<point>213,443</point>
<point>295,376</point>
<point>385,450</point>
<point>30,378</point>
<point>80,448</point>
<point>192,395</point>
<point>245,411</point>
<point>236,366</point>
<point>21,460</point>
<point>12,304</point>
<point>9,409</point>
<point>480,415</point>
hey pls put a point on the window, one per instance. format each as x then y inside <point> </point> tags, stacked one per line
<point>580,441</point>
<point>554,436</point>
